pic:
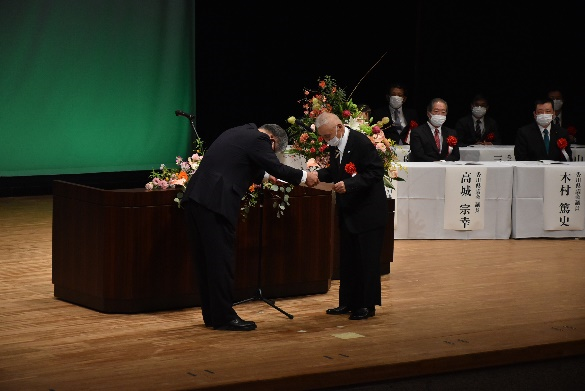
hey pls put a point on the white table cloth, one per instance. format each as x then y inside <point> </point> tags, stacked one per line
<point>421,198</point>
<point>481,153</point>
<point>528,202</point>
<point>578,153</point>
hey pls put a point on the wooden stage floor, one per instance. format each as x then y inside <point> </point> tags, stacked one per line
<point>448,306</point>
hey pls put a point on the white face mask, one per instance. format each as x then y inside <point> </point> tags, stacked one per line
<point>544,119</point>
<point>438,120</point>
<point>396,101</point>
<point>557,104</point>
<point>478,111</point>
<point>334,141</point>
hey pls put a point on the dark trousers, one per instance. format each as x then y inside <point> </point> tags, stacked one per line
<point>212,239</point>
<point>359,267</point>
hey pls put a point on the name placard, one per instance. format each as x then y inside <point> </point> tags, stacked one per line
<point>563,194</point>
<point>465,189</point>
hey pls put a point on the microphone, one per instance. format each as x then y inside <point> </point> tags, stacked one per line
<point>302,125</point>
<point>183,114</point>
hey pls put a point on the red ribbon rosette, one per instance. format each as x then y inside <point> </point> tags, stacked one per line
<point>562,144</point>
<point>572,130</point>
<point>490,137</point>
<point>452,141</point>
<point>350,169</point>
<point>413,124</point>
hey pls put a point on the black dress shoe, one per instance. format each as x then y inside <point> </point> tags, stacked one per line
<point>237,325</point>
<point>362,313</point>
<point>343,309</point>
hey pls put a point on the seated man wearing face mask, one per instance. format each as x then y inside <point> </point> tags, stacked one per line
<point>400,117</point>
<point>477,127</point>
<point>542,139</point>
<point>563,118</point>
<point>431,141</point>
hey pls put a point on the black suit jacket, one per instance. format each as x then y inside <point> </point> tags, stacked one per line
<point>391,132</point>
<point>235,160</point>
<point>466,135</point>
<point>530,144</point>
<point>424,149</point>
<point>364,205</point>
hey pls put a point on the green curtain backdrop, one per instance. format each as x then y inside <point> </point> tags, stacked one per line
<point>92,86</point>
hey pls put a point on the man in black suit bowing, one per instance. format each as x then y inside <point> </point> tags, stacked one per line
<point>539,140</point>
<point>239,157</point>
<point>431,141</point>
<point>357,173</point>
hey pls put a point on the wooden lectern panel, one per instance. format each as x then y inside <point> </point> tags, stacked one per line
<point>126,251</point>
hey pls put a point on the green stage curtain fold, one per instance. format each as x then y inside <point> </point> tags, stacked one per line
<point>92,86</point>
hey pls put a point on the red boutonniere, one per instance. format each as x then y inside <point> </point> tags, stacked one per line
<point>490,137</point>
<point>572,130</point>
<point>452,141</point>
<point>412,124</point>
<point>562,144</point>
<point>350,169</point>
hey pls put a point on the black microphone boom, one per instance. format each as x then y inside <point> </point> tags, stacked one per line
<point>182,113</point>
<point>191,117</point>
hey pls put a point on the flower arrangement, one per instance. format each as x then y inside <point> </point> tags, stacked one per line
<point>328,97</point>
<point>172,178</point>
<point>252,197</point>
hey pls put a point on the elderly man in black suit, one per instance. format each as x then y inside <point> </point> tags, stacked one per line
<point>357,173</point>
<point>431,141</point>
<point>477,127</point>
<point>542,139</point>
<point>239,157</point>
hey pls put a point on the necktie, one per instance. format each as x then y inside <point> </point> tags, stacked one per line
<point>557,121</point>
<point>397,123</point>
<point>437,139</point>
<point>478,129</point>
<point>546,140</point>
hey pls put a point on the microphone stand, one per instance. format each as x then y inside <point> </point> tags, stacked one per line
<point>259,296</point>
<point>191,118</point>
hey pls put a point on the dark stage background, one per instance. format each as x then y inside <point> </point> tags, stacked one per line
<point>254,58</point>
<point>252,61</point>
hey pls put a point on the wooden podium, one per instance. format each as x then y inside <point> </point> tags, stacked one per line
<point>126,251</point>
